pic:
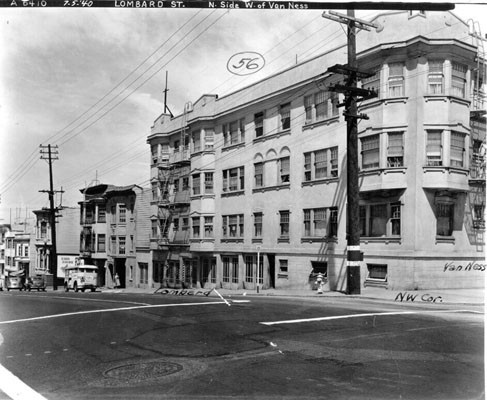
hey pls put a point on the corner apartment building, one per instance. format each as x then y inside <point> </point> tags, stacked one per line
<point>250,188</point>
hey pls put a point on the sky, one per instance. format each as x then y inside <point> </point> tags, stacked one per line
<point>91,82</point>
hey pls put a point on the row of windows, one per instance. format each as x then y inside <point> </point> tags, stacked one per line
<point>91,242</point>
<point>392,76</point>
<point>376,220</point>
<point>324,104</point>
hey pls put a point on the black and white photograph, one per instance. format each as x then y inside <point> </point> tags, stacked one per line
<point>249,199</point>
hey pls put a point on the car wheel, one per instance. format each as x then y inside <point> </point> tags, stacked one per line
<point>83,290</point>
<point>66,288</point>
<point>93,289</point>
<point>29,289</point>
<point>75,287</point>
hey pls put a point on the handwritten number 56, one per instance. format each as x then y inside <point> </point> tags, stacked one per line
<point>245,63</point>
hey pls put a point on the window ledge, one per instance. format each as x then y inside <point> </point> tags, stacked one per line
<point>271,188</point>
<point>231,240</point>
<point>233,146</point>
<point>382,239</point>
<point>272,136</point>
<point>445,169</point>
<point>202,196</point>
<point>446,98</point>
<point>315,239</point>
<point>235,193</point>
<point>257,240</point>
<point>282,276</point>
<point>392,100</point>
<point>380,171</point>
<point>283,239</point>
<point>445,239</point>
<point>202,240</point>
<point>320,181</point>
<point>326,121</point>
<point>201,152</point>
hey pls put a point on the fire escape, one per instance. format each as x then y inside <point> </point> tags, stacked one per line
<point>173,208</point>
<point>476,197</point>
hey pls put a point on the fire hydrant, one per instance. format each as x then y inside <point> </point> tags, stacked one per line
<point>319,282</point>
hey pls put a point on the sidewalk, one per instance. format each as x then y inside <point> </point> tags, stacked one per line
<point>437,296</point>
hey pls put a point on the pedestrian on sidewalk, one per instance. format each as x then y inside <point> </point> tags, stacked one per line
<point>117,281</point>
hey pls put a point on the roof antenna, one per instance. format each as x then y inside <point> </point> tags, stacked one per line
<point>166,108</point>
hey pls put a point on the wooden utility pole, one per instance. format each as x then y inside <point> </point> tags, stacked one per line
<point>50,153</point>
<point>351,91</point>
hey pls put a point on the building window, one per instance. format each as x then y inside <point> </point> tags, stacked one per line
<point>154,232</point>
<point>233,179</point>
<point>370,152</point>
<point>177,145</point>
<point>196,135</point>
<point>121,245</point>
<point>208,227</point>
<point>395,150</point>
<point>315,222</point>
<point>377,272</point>
<point>122,214</point>
<point>233,226</point>
<point>284,223</point>
<point>333,223</point>
<point>43,230</point>
<point>259,175</point>
<point>196,227</point>
<point>283,267</point>
<point>209,270</point>
<point>458,80</point>
<point>102,214</point>
<point>144,273</point>
<point>185,183</point>
<point>258,225</point>
<point>373,82</point>
<point>320,106</point>
<point>380,220</point>
<point>249,269</point>
<point>209,139</point>
<point>435,77</point>
<point>284,167</point>
<point>457,149</point>
<point>321,164</point>
<point>285,116</point>
<point>444,219</point>
<point>233,132</point>
<point>196,184</point>
<point>230,269</point>
<point>101,243</point>
<point>175,186</point>
<point>433,148</point>
<point>259,124</point>
<point>209,182</point>
<point>396,80</point>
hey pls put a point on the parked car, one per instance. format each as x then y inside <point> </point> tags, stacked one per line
<point>36,282</point>
<point>15,282</point>
<point>80,277</point>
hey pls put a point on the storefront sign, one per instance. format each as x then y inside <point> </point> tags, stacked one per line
<point>64,262</point>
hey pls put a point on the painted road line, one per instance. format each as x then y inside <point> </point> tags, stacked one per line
<point>108,310</point>
<point>15,388</point>
<point>297,321</point>
<point>88,299</point>
<point>228,304</point>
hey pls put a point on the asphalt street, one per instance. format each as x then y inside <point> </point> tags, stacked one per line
<point>58,345</point>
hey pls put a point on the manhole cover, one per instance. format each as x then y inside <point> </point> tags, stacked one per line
<point>143,371</point>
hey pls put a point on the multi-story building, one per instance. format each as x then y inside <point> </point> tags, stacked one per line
<point>17,253</point>
<point>93,237</point>
<point>67,237</point>
<point>121,233</point>
<point>250,188</point>
<point>4,228</point>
